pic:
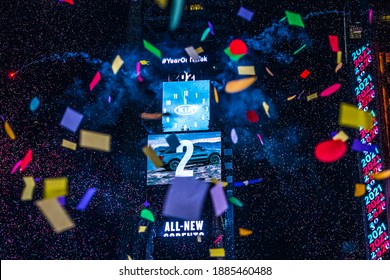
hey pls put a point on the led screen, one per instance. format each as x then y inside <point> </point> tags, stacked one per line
<point>186,106</point>
<point>200,156</point>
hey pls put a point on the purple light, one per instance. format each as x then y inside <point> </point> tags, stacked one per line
<point>370,16</point>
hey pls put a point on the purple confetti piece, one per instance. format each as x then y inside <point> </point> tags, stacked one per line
<point>61,200</point>
<point>211,28</point>
<point>359,147</point>
<point>71,119</point>
<point>2,117</point>
<point>37,180</point>
<point>333,134</point>
<point>109,99</point>
<point>146,203</point>
<point>86,199</point>
<point>245,14</point>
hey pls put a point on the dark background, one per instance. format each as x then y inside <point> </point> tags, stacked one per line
<point>304,209</point>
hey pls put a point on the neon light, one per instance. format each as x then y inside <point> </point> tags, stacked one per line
<point>371,162</point>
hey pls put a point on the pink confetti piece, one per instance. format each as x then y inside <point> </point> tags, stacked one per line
<point>138,69</point>
<point>218,238</point>
<point>94,81</point>
<point>16,167</point>
<point>261,140</point>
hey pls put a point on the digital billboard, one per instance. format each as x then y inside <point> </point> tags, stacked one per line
<point>186,106</point>
<point>198,156</point>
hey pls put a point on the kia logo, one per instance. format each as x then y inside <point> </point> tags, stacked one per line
<point>185,110</point>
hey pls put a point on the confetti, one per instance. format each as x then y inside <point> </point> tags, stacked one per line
<point>246,70</point>
<point>235,201</point>
<point>360,189</point>
<point>162,3</point>
<point>304,74</point>
<point>199,50</point>
<point>142,229</point>
<point>294,19</point>
<point>269,71</point>
<point>260,139</point>
<point>339,57</point>
<point>239,85</point>
<point>69,145</point>
<point>216,181</point>
<point>233,136</point>
<point>185,198</point>
<point>29,185</point>
<point>298,50</point>
<point>341,135</point>
<point>351,116</point>
<point>117,64</point>
<point>334,43</point>
<point>205,33</point>
<point>176,13</point>
<point>55,187</point>
<point>245,232</point>
<point>217,252</point>
<point>266,108</point>
<point>246,183</point>
<point>144,62</point>
<point>338,67</point>
<point>233,56</point>
<point>151,116</point>
<point>71,119</point>
<point>245,14</point>
<point>86,199</point>
<point>381,175</point>
<point>138,71</point>
<point>312,96</point>
<point>152,49</point>
<point>330,90</point>
<point>218,239</point>
<point>26,160</point>
<point>192,53</point>
<point>238,47</point>
<point>211,28</point>
<point>199,238</point>
<point>66,1</point>
<point>216,95</point>
<point>219,199</point>
<point>15,168</point>
<point>55,214</point>
<point>34,104</point>
<point>252,116</point>
<point>330,150</point>
<point>151,154</point>
<point>95,140</point>
<point>9,131</point>
<point>94,81</point>
<point>360,147</point>
<point>291,97</point>
<point>147,215</point>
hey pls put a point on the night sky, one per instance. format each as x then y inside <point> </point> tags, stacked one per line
<point>303,209</point>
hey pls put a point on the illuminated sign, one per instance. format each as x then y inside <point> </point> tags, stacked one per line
<point>183,228</point>
<point>371,162</point>
<point>198,156</point>
<point>186,105</point>
<point>169,60</point>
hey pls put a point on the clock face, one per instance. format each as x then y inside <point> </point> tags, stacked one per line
<point>186,106</point>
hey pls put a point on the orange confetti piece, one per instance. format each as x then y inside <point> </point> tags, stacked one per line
<point>381,175</point>
<point>291,98</point>
<point>338,67</point>
<point>9,131</point>
<point>245,232</point>
<point>269,71</point>
<point>216,95</point>
<point>151,116</point>
<point>360,189</point>
<point>239,85</point>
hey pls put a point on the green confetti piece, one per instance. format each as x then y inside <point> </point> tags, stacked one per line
<point>147,215</point>
<point>152,49</point>
<point>294,19</point>
<point>176,13</point>
<point>298,50</point>
<point>205,33</point>
<point>234,57</point>
<point>235,201</point>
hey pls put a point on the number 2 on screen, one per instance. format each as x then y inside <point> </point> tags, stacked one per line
<point>180,172</point>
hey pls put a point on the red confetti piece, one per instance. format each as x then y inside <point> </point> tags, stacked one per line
<point>95,81</point>
<point>26,160</point>
<point>334,43</point>
<point>67,1</point>
<point>237,47</point>
<point>330,150</point>
<point>252,116</point>
<point>330,90</point>
<point>304,74</point>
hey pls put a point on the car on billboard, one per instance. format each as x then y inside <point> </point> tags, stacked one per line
<point>171,158</point>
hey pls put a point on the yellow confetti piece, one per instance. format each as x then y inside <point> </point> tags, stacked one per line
<point>29,185</point>
<point>69,145</point>
<point>269,71</point>
<point>117,64</point>
<point>216,95</point>
<point>339,56</point>
<point>199,50</point>
<point>291,98</point>
<point>338,67</point>
<point>312,96</point>
<point>151,154</point>
<point>161,3</point>
<point>246,70</point>
<point>142,229</point>
<point>216,181</point>
<point>341,136</point>
<point>55,214</point>
<point>239,85</point>
<point>55,187</point>
<point>217,252</point>
<point>9,131</point>
<point>95,140</point>
<point>351,116</point>
<point>381,175</point>
<point>245,232</point>
<point>129,258</point>
<point>360,189</point>
<point>266,108</point>
<point>144,62</point>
